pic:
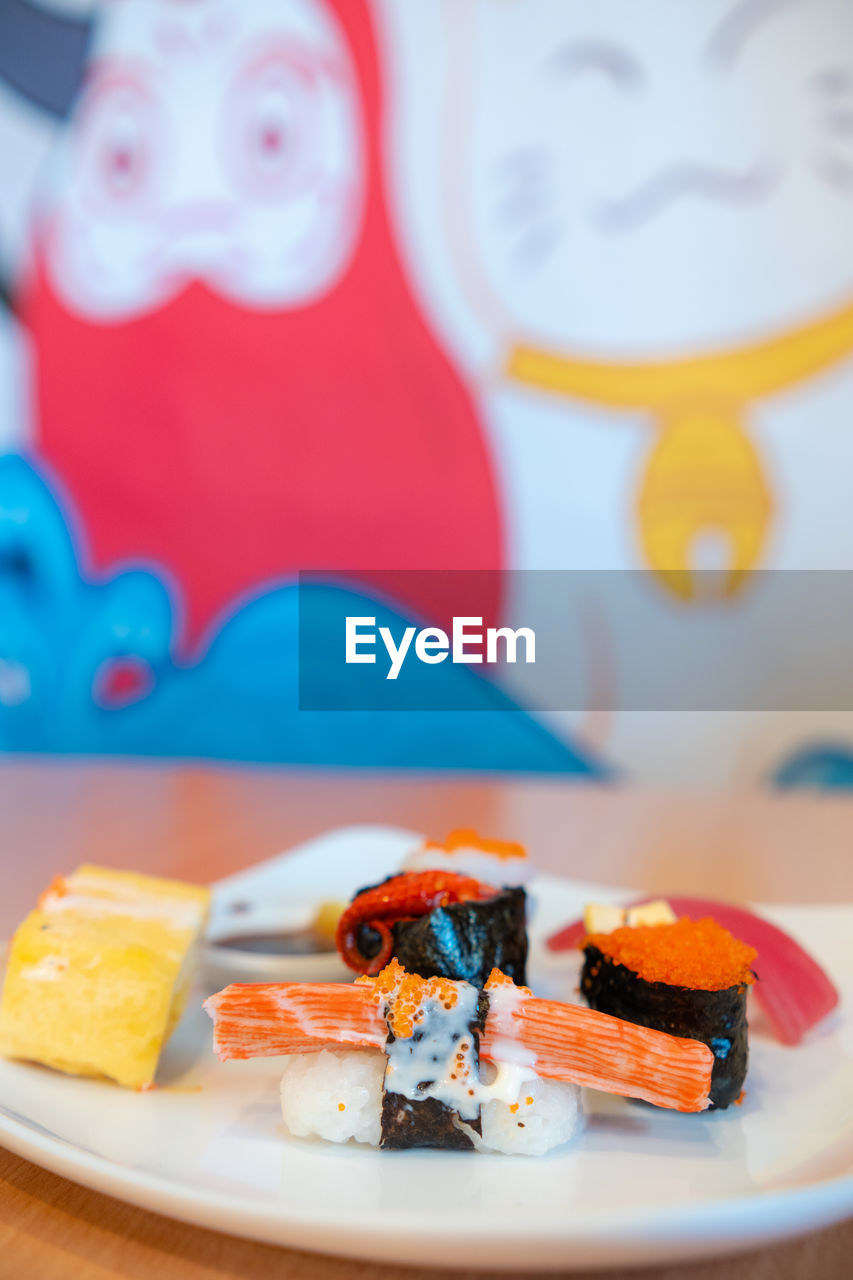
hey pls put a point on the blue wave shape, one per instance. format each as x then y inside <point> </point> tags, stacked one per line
<point>63,632</point>
<point>819,767</point>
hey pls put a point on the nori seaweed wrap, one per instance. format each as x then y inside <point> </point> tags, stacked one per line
<point>466,940</point>
<point>463,939</point>
<point>701,1009</point>
<point>428,1121</point>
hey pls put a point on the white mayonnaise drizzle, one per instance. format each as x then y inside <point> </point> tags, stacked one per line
<point>427,1065</point>
<point>504,1003</point>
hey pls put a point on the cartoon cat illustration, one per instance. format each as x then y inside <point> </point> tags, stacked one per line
<point>634,226</point>
<point>649,210</point>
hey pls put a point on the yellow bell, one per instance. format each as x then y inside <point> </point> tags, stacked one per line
<point>703,474</point>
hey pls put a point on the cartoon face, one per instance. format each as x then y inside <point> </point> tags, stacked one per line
<point>215,141</point>
<point>657,177</point>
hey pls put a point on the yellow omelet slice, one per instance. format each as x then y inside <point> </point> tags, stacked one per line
<point>99,973</point>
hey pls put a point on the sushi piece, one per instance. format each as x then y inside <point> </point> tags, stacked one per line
<point>437,924</point>
<point>793,990</point>
<point>687,978</point>
<point>99,973</point>
<point>400,1060</point>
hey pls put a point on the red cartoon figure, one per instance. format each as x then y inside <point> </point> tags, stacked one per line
<point>233,378</point>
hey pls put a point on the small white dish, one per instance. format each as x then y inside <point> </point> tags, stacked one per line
<point>639,1186</point>
<point>283,895</point>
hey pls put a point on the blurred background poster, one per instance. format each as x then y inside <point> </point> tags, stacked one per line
<point>363,287</point>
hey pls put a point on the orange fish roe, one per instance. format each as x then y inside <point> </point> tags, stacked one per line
<point>412,993</point>
<point>404,994</point>
<point>386,982</point>
<point>465,838</point>
<point>499,979</point>
<point>698,954</point>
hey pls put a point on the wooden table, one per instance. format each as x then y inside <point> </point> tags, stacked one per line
<point>202,823</point>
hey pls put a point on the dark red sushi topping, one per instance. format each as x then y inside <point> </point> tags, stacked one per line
<point>403,897</point>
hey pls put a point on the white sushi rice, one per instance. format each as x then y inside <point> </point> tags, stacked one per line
<point>547,1114</point>
<point>337,1095</point>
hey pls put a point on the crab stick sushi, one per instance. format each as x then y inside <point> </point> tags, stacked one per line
<point>400,1061</point>
<point>685,977</point>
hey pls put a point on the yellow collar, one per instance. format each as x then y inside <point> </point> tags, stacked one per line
<point>740,373</point>
<point>703,472</point>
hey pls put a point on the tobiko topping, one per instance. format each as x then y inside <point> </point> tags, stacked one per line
<point>412,994</point>
<point>698,954</point>
<point>467,838</point>
<point>793,990</point>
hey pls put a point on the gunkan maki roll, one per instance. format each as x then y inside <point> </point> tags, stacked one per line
<point>689,978</point>
<point>438,924</point>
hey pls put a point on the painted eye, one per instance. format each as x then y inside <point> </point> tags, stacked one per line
<point>271,140</point>
<point>119,145</point>
<point>610,61</point>
<point>124,159</point>
<point>273,126</point>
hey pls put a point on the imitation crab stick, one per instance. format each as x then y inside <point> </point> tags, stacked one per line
<point>581,1046</point>
<point>263,1020</point>
<point>557,1041</point>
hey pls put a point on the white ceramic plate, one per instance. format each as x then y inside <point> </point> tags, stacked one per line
<point>638,1186</point>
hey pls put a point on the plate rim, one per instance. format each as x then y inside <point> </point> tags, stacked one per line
<point>764,1218</point>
